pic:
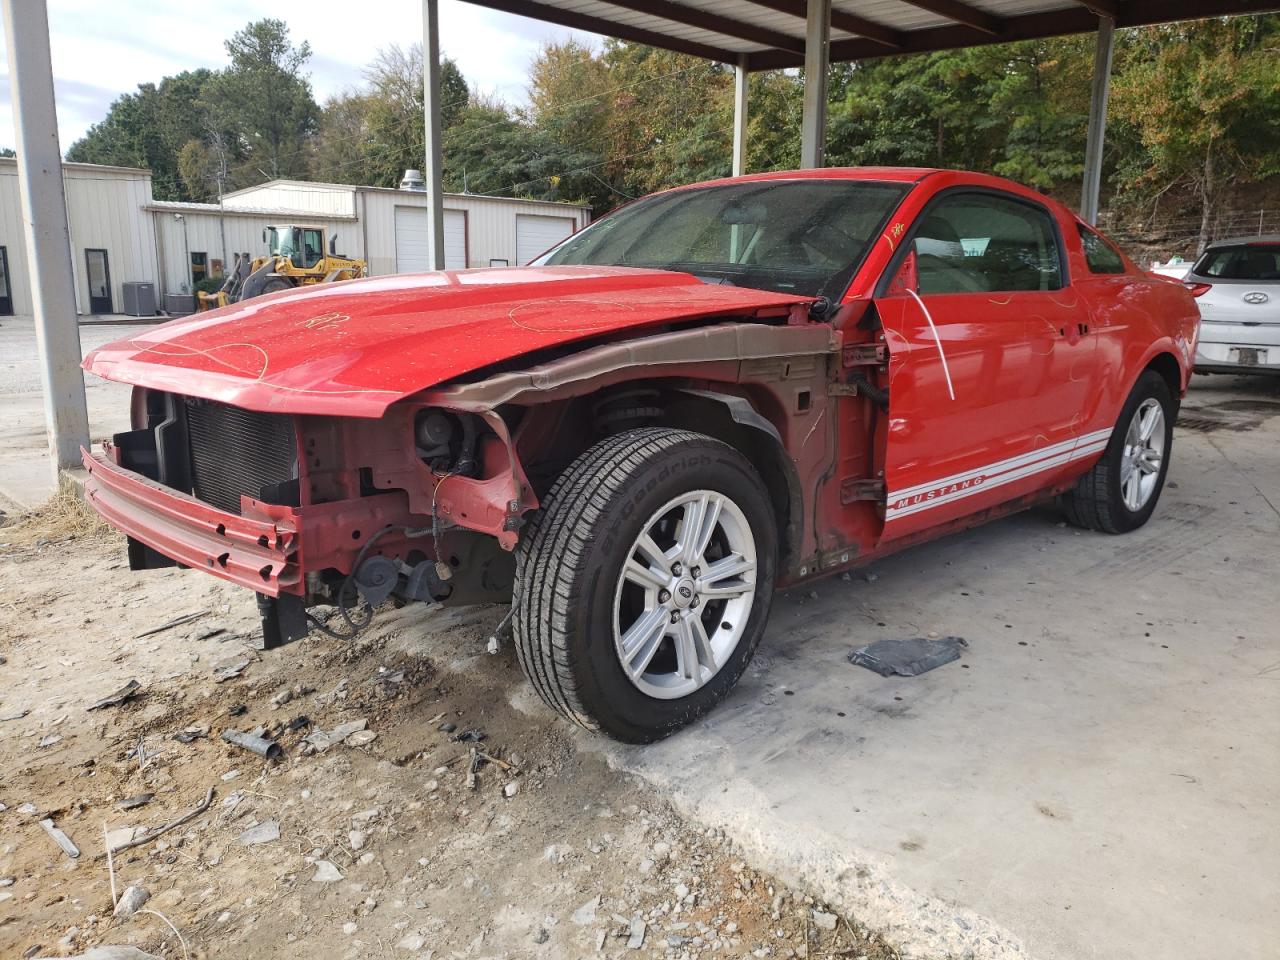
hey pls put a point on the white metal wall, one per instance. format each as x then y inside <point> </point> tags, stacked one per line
<point>320,199</point>
<point>491,224</point>
<point>104,212</point>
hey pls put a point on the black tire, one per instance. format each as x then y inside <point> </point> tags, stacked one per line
<point>1097,502</point>
<point>570,559</point>
<point>276,285</point>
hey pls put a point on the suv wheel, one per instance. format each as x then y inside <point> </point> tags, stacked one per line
<point>1121,491</point>
<point>644,582</point>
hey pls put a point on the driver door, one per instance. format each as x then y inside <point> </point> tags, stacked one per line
<point>971,319</point>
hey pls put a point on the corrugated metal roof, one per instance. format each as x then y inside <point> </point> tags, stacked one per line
<point>770,33</point>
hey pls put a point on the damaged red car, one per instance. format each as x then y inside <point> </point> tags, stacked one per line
<point>711,393</point>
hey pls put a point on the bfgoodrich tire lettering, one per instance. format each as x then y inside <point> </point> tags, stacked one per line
<point>570,580</point>
<point>1099,500</point>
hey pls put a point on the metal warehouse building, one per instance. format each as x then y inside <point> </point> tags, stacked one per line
<point>119,233</point>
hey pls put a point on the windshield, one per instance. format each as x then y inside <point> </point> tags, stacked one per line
<point>1251,261</point>
<point>806,237</point>
<point>280,241</point>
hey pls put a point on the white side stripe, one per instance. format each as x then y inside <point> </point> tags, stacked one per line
<point>959,486</point>
<point>942,354</point>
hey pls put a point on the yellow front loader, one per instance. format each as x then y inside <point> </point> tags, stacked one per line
<point>295,258</point>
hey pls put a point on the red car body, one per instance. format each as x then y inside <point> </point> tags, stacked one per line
<point>996,399</point>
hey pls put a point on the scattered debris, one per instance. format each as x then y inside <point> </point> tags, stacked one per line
<point>113,953</point>
<point>191,734</point>
<point>908,658</point>
<point>470,736</point>
<point>13,715</point>
<point>412,942</point>
<point>61,839</point>
<point>585,915</point>
<point>447,727</point>
<point>511,789</point>
<point>121,837</point>
<point>168,625</point>
<point>50,740</point>
<point>229,671</point>
<point>132,803</point>
<point>824,921</point>
<point>361,738</point>
<point>189,815</point>
<point>127,692</point>
<point>636,940</point>
<point>326,872</point>
<point>268,831</point>
<point>131,901</point>
<point>254,744</point>
<point>344,730</point>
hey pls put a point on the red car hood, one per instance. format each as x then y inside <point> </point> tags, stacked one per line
<point>354,348</point>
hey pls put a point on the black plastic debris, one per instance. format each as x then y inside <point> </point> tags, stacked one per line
<point>908,658</point>
<point>470,736</point>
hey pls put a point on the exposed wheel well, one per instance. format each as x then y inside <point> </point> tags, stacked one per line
<point>629,406</point>
<point>1166,365</point>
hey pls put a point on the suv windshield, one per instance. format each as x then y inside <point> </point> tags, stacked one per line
<point>806,237</point>
<point>1246,261</point>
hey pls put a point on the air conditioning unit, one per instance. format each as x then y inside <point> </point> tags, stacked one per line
<point>139,299</point>
<point>179,304</point>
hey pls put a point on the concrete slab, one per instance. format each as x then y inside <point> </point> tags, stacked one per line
<point>1097,777</point>
<point>26,475</point>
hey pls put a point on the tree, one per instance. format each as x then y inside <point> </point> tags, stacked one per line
<point>263,100</point>
<point>7,152</point>
<point>148,129</point>
<point>1203,101</point>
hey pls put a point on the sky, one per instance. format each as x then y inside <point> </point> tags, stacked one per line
<point>103,48</point>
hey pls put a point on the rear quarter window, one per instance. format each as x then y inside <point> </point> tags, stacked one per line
<point>1100,256</point>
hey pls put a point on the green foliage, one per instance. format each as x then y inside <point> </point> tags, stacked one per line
<point>148,129</point>
<point>210,284</point>
<point>7,152</point>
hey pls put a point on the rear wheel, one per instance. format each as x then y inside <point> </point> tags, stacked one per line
<point>1121,491</point>
<point>277,284</point>
<point>644,582</point>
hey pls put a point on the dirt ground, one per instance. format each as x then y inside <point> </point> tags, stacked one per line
<point>382,845</point>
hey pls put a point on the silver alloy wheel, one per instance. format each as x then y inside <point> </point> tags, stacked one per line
<point>684,594</point>
<point>1143,454</point>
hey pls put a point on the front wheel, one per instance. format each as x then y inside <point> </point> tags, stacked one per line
<point>644,582</point>
<point>1121,491</point>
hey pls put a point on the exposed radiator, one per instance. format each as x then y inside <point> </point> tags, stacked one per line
<point>235,451</point>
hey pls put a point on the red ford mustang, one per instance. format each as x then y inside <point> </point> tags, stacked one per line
<point>710,393</point>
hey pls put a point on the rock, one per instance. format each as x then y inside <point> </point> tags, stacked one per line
<point>6,881</point>
<point>365,817</point>
<point>28,808</point>
<point>431,786</point>
<point>646,866</point>
<point>268,831</point>
<point>343,730</point>
<point>586,914</point>
<point>636,940</point>
<point>661,851</point>
<point>824,921</point>
<point>541,936</point>
<point>682,891</point>
<point>132,803</point>
<point>131,901</point>
<point>557,852</point>
<point>447,727</point>
<point>230,775</point>
<point>511,789</point>
<point>366,859</point>
<point>412,942</point>
<point>326,872</point>
<point>349,928</point>
<point>361,738</point>
<point>357,838</point>
<point>281,698</point>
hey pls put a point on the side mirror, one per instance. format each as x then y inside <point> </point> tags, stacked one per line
<point>333,245</point>
<point>907,279</point>
<point>264,234</point>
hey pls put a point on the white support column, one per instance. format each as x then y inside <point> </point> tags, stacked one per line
<point>740,93</point>
<point>1092,187</point>
<point>817,39</point>
<point>48,238</point>
<point>431,99</point>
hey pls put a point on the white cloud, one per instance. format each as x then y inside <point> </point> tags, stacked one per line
<point>102,50</point>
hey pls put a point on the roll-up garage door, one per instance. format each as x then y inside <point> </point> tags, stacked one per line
<point>411,240</point>
<point>536,235</point>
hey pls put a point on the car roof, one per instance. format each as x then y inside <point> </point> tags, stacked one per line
<point>1270,239</point>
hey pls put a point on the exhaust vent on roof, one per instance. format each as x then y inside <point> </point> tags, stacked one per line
<point>413,181</point>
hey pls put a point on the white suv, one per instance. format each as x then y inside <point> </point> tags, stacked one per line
<point>1237,287</point>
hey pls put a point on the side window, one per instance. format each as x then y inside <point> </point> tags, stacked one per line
<point>1098,254</point>
<point>976,242</point>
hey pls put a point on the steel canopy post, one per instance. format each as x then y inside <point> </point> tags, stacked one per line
<point>45,229</point>
<point>1092,187</point>
<point>740,90</point>
<point>817,43</point>
<point>431,100</point>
